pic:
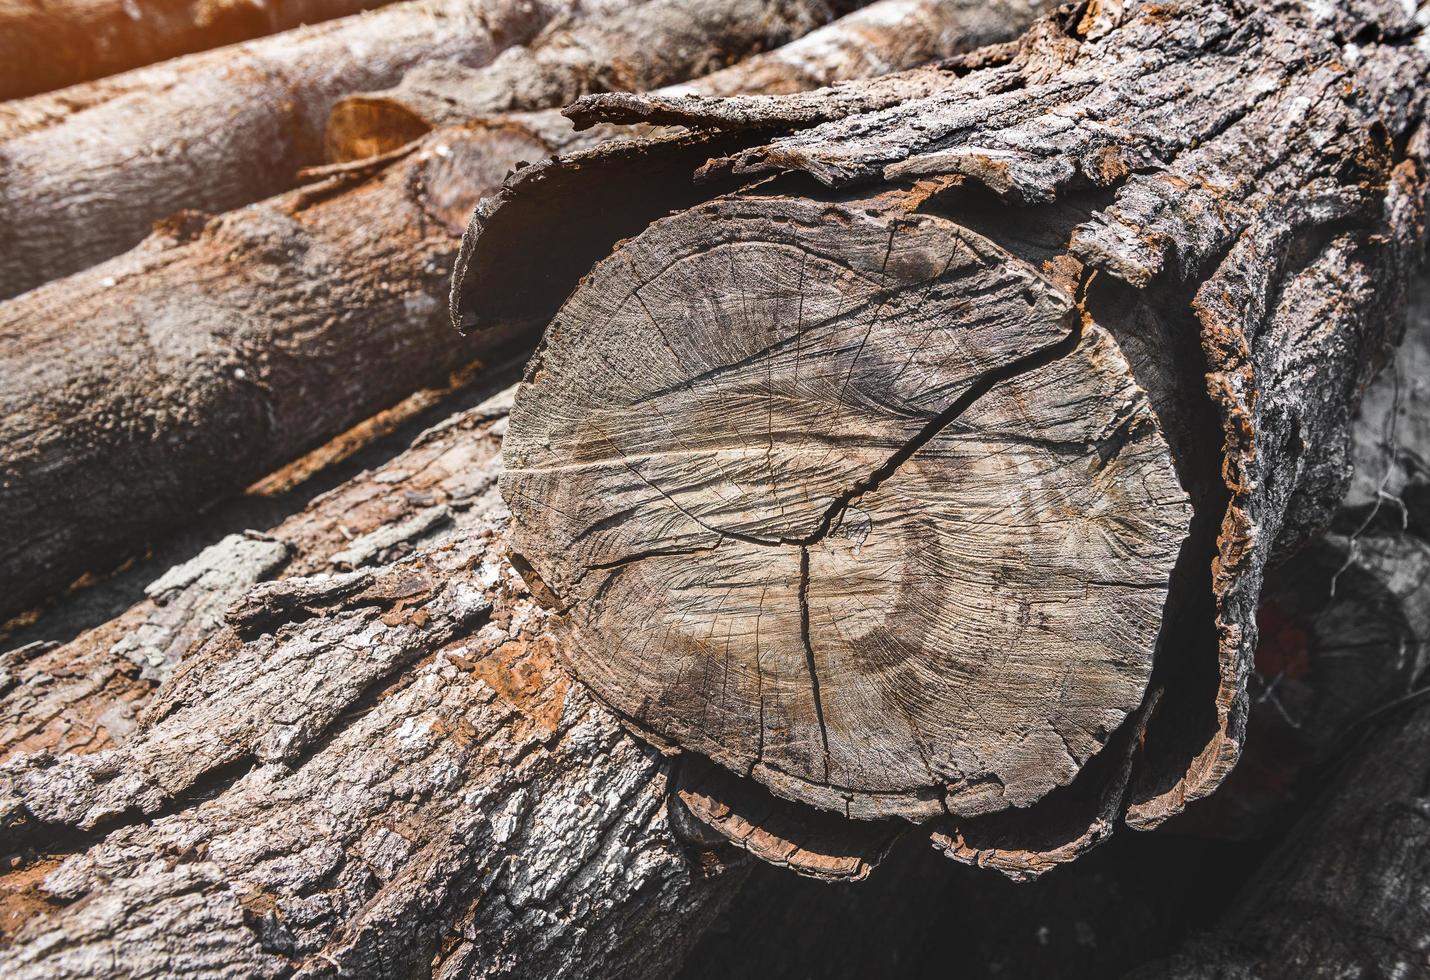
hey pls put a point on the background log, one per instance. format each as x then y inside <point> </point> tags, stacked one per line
<point>1249,261</point>
<point>46,46</point>
<point>85,172</point>
<point>334,288</point>
<point>883,37</point>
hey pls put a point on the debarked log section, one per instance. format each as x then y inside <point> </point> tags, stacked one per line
<point>942,484</point>
<point>86,172</point>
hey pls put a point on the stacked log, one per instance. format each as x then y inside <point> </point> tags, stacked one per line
<point>86,171</point>
<point>52,45</point>
<point>224,347</point>
<point>910,473</point>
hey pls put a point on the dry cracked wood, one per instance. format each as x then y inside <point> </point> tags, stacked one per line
<point>1231,199</point>
<point>47,46</point>
<point>616,55</point>
<point>198,350</point>
<point>85,172</point>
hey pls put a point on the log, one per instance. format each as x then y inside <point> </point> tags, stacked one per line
<point>52,45</point>
<point>85,172</point>
<point>930,467</point>
<point>202,350</point>
<point>614,55</point>
<point>370,765</point>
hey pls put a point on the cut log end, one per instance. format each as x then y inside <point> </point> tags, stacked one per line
<point>364,126</point>
<point>848,498</point>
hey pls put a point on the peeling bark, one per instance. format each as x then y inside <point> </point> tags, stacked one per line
<point>1232,194</point>
<point>200,349</point>
<point>46,46</point>
<point>684,39</point>
<point>85,172</point>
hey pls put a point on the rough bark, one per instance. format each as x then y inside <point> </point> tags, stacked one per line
<point>370,767</point>
<point>685,39</point>
<point>85,172</point>
<point>46,46</point>
<point>1227,198</point>
<point>201,350</point>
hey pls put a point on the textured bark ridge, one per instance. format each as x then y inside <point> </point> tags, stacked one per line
<point>1219,204</point>
<point>46,46</point>
<point>654,43</point>
<point>369,765</point>
<point>202,349</point>
<point>648,45</point>
<point>85,172</point>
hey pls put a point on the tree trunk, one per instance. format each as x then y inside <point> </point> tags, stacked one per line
<point>85,173</point>
<point>822,450</point>
<point>51,45</point>
<point>614,55</point>
<point>371,767</point>
<point>204,350</point>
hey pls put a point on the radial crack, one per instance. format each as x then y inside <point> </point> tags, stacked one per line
<point>809,652</point>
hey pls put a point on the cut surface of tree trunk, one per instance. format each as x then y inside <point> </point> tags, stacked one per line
<point>85,172</point>
<point>1229,201</point>
<point>835,532</point>
<point>46,46</point>
<point>656,42</point>
<point>204,350</point>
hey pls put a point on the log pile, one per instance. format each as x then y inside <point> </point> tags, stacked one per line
<point>950,431</point>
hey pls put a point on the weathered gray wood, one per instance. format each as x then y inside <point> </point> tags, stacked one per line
<point>203,349</point>
<point>372,768</point>
<point>684,39</point>
<point>85,172</point>
<point>1233,193</point>
<point>46,46</point>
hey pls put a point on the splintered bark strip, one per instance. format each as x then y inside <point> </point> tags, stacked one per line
<point>667,40</point>
<point>1228,200</point>
<point>85,172</point>
<point>224,347</point>
<point>51,45</point>
<point>372,767</point>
